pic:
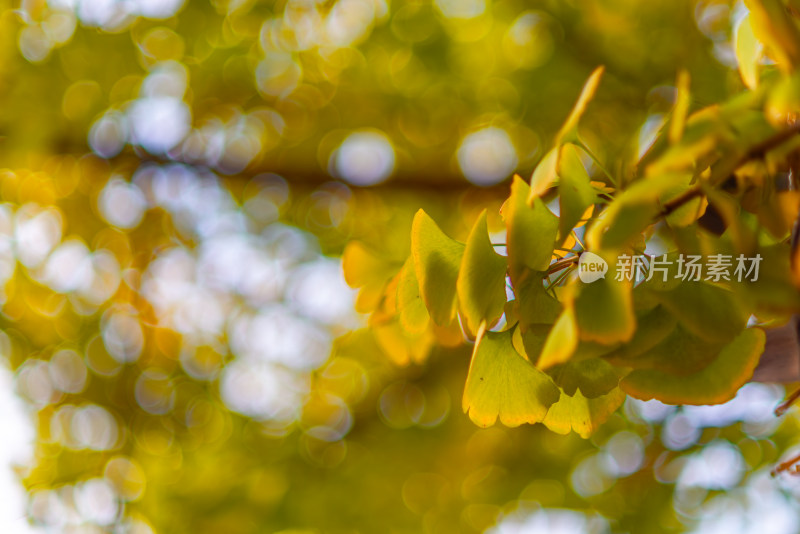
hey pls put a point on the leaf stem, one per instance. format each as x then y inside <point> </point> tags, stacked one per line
<point>596,161</point>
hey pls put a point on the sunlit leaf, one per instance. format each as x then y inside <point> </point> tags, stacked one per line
<point>414,315</point>
<point>502,384</point>
<point>481,281</point>
<point>604,309</point>
<point>748,52</point>
<point>561,342</point>
<point>401,347</point>
<point>531,231</point>
<point>569,131</point>
<point>581,415</point>
<point>680,109</point>
<point>365,269</point>
<point>576,193</point>
<point>544,175</point>
<point>626,217</point>
<point>774,26</point>
<point>437,259</point>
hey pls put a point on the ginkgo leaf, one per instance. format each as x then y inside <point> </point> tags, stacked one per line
<point>569,131</point>
<point>533,339</point>
<point>575,190</point>
<point>680,109</point>
<point>437,259</point>
<point>531,231</point>
<point>652,327</point>
<point>414,316</point>
<point>708,311</point>
<point>748,52</point>
<point>533,304</point>
<point>561,342</point>
<point>679,353</point>
<point>689,211</point>
<point>594,377</point>
<point>715,384</point>
<point>481,284</point>
<point>582,415</point>
<point>400,346</point>
<point>368,271</point>
<point>626,217</point>
<point>502,384</point>
<point>544,175</point>
<point>604,308</point>
<point>773,25</point>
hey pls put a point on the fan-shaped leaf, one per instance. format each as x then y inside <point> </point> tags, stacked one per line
<point>502,384</point>
<point>481,284</point>
<point>582,415</point>
<point>715,384</point>
<point>437,259</point>
<point>531,231</point>
<point>561,342</point>
<point>575,189</point>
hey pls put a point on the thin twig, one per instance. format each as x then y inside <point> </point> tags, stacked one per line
<point>562,264</point>
<point>785,405</point>
<point>785,466</point>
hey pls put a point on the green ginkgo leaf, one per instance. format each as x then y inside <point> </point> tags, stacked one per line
<point>575,190</point>
<point>628,215</point>
<point>531,231</point>
<point>715,384</point>
<point>652,327</point>
<point>679,353</point>
<point>533,304</point>
<point>580,414</point>
<point>594,377</point>
<point>481,284</point>
<point>502,384</point>
<point>708,311</point>
<point>437,259</point>
<point>604,308</point>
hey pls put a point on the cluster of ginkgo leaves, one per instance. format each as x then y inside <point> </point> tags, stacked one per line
<point>549,348</point>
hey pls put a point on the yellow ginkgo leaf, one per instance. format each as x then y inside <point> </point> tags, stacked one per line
<point>569,131</point>
<point>561,341</point>
<point>481,285</point>
<point>437,259</point>
<point>748,52</point>
<point>581,415</point>
<point>502,384</point>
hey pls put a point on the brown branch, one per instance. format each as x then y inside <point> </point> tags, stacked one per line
<point>562,264</point>
<point>786,404</point>
<point>785,466</point>
<point>758,151</point>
